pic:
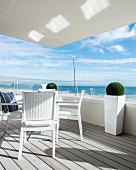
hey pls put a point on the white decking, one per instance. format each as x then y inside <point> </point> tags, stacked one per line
<point>98,150</point>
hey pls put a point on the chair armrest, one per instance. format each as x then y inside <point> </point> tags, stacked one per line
<point>68,104</point>
<point>70,101</point>
<point>18,98</point>
<point>8,104</point>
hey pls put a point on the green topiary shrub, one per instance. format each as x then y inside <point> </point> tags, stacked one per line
<point>115,89</point>
<point>51,86</point>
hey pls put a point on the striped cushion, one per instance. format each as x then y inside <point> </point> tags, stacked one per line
<point>8,98</point>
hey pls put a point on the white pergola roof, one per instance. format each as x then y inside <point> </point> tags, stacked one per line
<point>56,23</point>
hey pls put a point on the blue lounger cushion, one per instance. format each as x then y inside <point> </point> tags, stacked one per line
<point>8,98</point>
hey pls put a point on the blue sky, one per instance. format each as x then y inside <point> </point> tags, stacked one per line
<point>100,59</point>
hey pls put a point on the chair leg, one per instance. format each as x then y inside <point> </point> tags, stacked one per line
<point>57,130</point>
<point>21,143</point>
<point>53,142</point>
<point>24,136</point>
<point>29,135</point>
<point>7,122</point>
<point>80,128</point>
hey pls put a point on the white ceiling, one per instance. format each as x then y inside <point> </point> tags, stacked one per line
<point>56,23</point>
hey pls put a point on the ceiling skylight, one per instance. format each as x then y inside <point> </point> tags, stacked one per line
<point>35,35</point>
<point>57,24</point>
<point>92,7</point>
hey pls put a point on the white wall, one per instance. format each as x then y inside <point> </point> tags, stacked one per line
<point>130,118</point>
<point>92,111</point>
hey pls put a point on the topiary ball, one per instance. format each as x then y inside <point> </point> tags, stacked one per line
<point>51,86</point>
<point>115,89</point>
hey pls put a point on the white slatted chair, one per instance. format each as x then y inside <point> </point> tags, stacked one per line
<point>45,90</point>
<point>57,99</point>
<point>15,115</point>
<point>38,115</point>
<point>66,112</point>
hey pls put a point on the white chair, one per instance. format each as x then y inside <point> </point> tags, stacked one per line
<point>58,99</point>
<point>44,86</point>
<point>45,90</point>
<point>71,110</point>
<point>15,115</point>
<point>38,115</point>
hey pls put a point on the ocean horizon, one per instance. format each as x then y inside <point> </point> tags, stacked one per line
<point>90,90</point>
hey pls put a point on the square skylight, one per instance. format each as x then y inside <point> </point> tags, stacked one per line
<point>92,7</point>
<point>35,35</point>
<point>57,24</point>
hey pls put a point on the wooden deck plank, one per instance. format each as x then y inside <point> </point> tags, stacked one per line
<point>32,158</point>
<point>68,162</point>
<point>102,161</point>
<point>68,155</point>
<point>83,155</point>
<point>100,128</point>
<point>113,138</point>
<point>56,163</point>
<point>104,141</point>
<point>108,158</point>
<point>71,164</point>
<point>72,156</point>
<point>44,157</point>
<point>102,145</point>
<point>94,135</point>
<point>61,156</point>
<point>6,160</point>
<point>125,138</point>
<point>99,150</point>
<point>1,166</point>
<point>117,139</point>
<point>28,160</point>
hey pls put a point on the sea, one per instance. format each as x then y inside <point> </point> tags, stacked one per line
<point>130,92</point>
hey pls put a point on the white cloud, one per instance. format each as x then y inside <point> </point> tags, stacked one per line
<point>19,53</point>
<point>29,60</point>
<point>107,68</point>
<point>110,37</point>
<point>117,48</point>
<point>117,61</point>
<point>134,70</point>
<point>32,62</point>
<point>98,50</point>
<point>104,76</point>
<point>10,47</point>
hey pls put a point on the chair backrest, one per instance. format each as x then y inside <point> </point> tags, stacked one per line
<point>45,90</point>
<point>39,106</point>
<point>44,86</point>
<point>81,97</point>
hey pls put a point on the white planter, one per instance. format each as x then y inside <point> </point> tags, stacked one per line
<point>114,114</point>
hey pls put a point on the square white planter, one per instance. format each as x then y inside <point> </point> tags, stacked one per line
<point>114,114</point>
